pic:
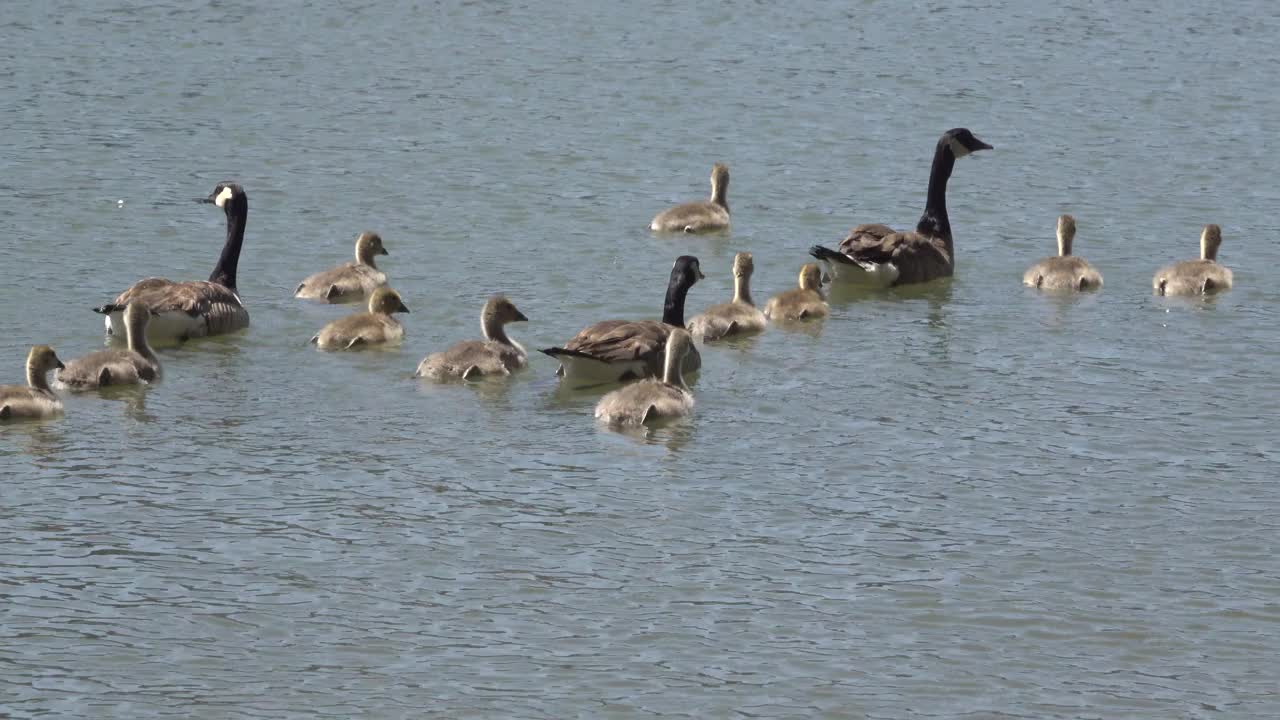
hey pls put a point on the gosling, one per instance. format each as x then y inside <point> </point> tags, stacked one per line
<point>1066,271</point>
<point>497,354</point>
<point>1196,277</point>
<point>703,216</point>
<point>35,401</point>
<point>737,317</point>
<point>375,327</point>
<point>803,303</point>
<point>134,366</point>
<point>652,400</point>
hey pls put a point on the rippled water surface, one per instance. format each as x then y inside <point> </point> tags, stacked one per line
<point>961,500</point>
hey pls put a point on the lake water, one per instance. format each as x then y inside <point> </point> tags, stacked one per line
<point>960,500</point>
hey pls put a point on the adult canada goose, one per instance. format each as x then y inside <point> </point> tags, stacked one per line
<point>192,309</point>
<point>1066,271</point>
<point>704,216</point>
<point>137,364</point>
<point>36,400</point>
<point>802,303</point>
<point>653,399</point>
<point>615,350</point>
<point>497,354</point>
<point>879,256</point>
<point>732,318</point>
<point>349,282</point>
<point>1196,277</point>
<point>374,327</point>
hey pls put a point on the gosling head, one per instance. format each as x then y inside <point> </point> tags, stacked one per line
<point>137,315</point>
<point>962,142</point>
<point>679,343</point>
<point>720,175</point>
<point>42,359</point>
<point>386,301</point>
<point>1066,233</point>
<point>228,196</point>
<point>1210,240</point>
<point>369,246</point>
<point>743,265</point>
<point>810,277</point>
<point>500,310</point>
<point>687,270</point>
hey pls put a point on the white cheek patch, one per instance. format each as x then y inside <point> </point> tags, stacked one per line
<point>223,197</point>
<point>958,149</point>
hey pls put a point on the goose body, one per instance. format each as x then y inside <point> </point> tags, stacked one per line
<point>737,317</point>
<point>879,256</point>
<point>35,400</point>
<point>363,329</point>
<point>135,365</point>
<point>805,302</point>
<point>1196,277</point>
<point>185,310</point>
<point>703,216</point>
<point>497,354</point>
<point>349,282</point>
<point>1064,271</point>
<point>653,399</point>
<point>615,350</point>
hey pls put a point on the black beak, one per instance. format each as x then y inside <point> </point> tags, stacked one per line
<point>205,200</point>
<point>520,317</point>
<point>700,275</point>
<point>60,366</point>
<point>983,146</point>
<point>402,308</point>
<point>384,252</point>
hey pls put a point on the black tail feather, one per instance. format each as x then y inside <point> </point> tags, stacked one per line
<point>558,351</point>
<point>823,253</point>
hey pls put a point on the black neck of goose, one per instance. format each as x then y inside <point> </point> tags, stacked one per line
<point>934,222</point>
<point>673,309</point>
<point>224,273</point>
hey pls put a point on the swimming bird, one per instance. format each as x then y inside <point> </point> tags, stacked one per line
<point>375,327</point>
<point>349,282</point>
<point>497,354</point>
<point>615,350</point>
<point>704,216</point>
<point>801,303</point>
<point>736,317</point>
<point>653,399</point>
<point>35,401</point>
<point>879,256</point>
<point>184,310</point>
<point>1066,271</point>
<point>137,364</point>
<point>1196,277</point>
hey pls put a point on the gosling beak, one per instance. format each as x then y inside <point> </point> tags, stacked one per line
<point>384,252</point>
<point>520,317</point>
<point>826,279</point>
<point>59,365</point>
<point>402,308</point>
<point>700,275</point>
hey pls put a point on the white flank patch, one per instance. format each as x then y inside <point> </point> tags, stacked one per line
<point>165,328</point>
<point>868,274</point>
<point>587,371</point>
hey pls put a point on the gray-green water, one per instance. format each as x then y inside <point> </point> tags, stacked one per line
<point>963,500</point>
